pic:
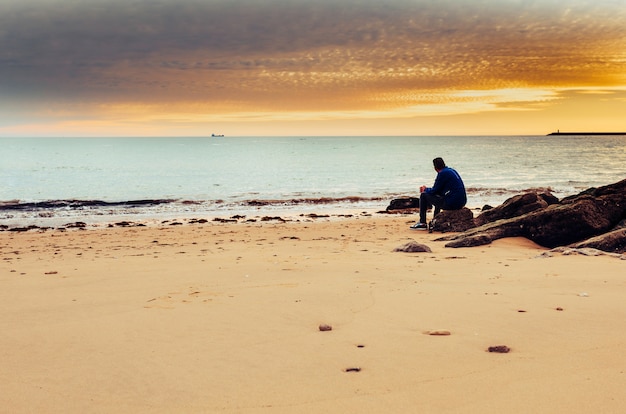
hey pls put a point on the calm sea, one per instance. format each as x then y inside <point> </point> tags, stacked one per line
<point>221,176</point>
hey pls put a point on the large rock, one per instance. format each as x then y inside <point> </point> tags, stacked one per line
<point>516,206</point>
<point>613,242</point>
<point>404,203</point>
<point>453,220</point>
<point>469,240</point>
<point>591,213</point>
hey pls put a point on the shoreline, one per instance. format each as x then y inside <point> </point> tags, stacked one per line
<point>223,317</point>
<point>178,218</point>
<point>57,213</point>
<point>100,222</point>
<point>44,219</point>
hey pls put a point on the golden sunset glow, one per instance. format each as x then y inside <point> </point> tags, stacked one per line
<point>244,67</point>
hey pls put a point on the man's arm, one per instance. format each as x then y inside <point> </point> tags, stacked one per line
<point>440,183</point>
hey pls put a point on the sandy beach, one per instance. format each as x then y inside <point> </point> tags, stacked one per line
<point>224,318</point>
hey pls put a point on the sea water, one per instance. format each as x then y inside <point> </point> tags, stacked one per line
<point>212,176</point>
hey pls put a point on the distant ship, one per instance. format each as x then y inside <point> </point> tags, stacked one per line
<point>217,135</point>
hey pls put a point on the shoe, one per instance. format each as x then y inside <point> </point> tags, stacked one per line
<point>419,226</point>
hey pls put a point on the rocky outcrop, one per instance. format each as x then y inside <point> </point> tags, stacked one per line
<point>589,214</point>
<point>613,242</point>
<point>517,206</point>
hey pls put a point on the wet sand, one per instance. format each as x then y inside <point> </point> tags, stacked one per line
<point>224,317</point>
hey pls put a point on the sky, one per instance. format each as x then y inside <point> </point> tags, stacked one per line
<point>311,67</point>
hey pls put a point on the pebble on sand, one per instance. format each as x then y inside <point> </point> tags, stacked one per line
<point>413,247</point>
<point>439,332</point>
<point>501,349</point>
<point>324,327</point>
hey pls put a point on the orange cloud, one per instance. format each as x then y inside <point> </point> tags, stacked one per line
<point>181,64</point>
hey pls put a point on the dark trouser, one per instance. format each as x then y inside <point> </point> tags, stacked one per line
<point>427,201</point>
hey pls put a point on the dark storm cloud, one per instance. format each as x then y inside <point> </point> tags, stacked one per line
<point>52,45</point>
<point>116,48</point>
<point>96,32</point>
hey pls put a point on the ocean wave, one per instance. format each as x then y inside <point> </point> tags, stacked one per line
<point>16,205</point>
<point>499,191</point>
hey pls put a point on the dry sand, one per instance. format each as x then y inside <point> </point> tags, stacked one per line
<point>223,318</point>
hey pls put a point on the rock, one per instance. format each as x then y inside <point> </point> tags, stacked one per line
<point>502,349</point>
<point>621,225</point>
<point>549,198</point>
<point>513,207</point>
<point>585,251</point>
<point>404,203</point>
<point>324,327</point>
<point>315,215</point>
<point>573,220</point>
<point>479,239</point>
<point>76,225</point>
<point>563,224</point>
<point>613,241</point>
<point>439,332</point>
<point>23,229</point>
<point>224,220</point>
<point>257,203</point>
<point>270,218</point>
<point>453,220</point>
<point>413,247</point>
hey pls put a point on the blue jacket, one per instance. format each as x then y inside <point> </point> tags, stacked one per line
<point>449,185</point>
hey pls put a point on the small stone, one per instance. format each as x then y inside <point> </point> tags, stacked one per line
<point>413,247</point>
<point>501,349</point>
<point>324,327</point>
<point>353,369</point>
<point>559,308</point>
<point>439,332</point>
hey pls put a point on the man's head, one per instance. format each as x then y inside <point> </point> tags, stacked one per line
<point>439,164</point>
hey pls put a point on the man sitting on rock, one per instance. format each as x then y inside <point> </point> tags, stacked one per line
<point>448,193</point>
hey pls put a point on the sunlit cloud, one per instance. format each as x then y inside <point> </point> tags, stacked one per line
<point>413,105</point>
<point>192,61</point>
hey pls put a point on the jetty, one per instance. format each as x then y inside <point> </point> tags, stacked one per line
<point>586,133</point>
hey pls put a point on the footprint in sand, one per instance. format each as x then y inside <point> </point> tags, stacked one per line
<point>170,300</point>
